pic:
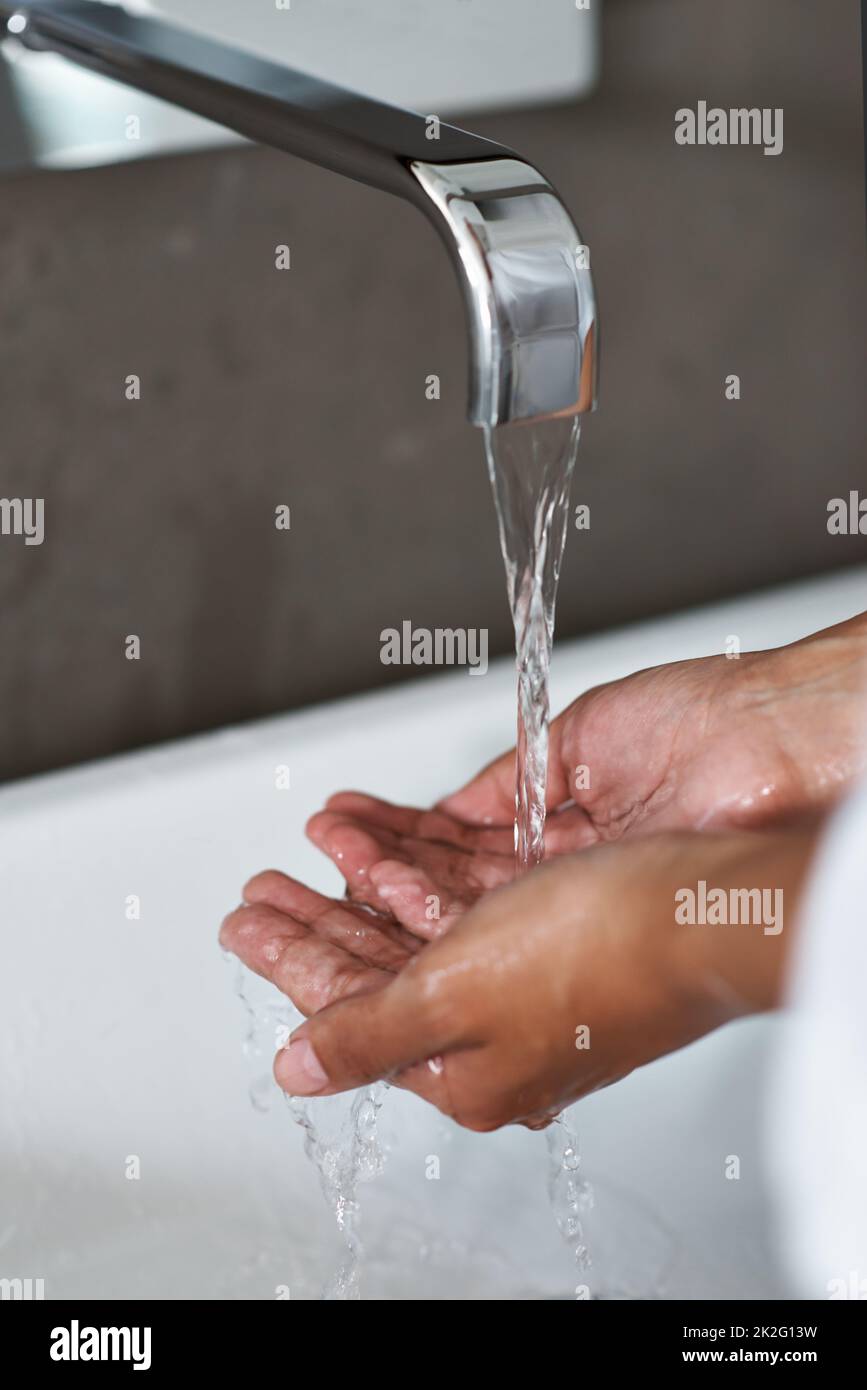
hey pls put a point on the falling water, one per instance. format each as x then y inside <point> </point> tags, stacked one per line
<point>530,467</point>
<point>351,1155</point>
<point>570,1194</point>
<point>342,1141</point>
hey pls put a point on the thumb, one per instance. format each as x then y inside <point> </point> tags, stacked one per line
<point>489,798</point>
<point>364,1038</point>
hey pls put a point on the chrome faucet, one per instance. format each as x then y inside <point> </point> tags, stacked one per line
<point>523,269</point>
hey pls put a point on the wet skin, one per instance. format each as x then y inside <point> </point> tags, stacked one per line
<point>714,769</point>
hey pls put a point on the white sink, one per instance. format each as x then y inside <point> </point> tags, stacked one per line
<point>122,1038</point>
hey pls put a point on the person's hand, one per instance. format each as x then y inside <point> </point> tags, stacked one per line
<point>548,988</point>
<point>711,744</point>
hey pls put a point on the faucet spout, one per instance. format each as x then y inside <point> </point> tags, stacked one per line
<point>522,267</point>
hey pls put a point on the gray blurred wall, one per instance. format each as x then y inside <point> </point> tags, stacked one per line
<point>307,388</point>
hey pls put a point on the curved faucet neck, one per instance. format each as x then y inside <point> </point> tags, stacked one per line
<point>528,295</point>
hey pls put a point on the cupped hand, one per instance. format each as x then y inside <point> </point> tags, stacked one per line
<point>547,989</point>
<point>711,744</point>
<point>716,743</point>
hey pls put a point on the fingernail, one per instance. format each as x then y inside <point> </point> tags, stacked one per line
<point>299,1071</point>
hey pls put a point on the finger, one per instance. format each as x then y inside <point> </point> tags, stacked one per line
<point>353,848</point>
<point>415,898</point>
<point>401,819</point>
<point>312,972</point>
<point>373,1037</point>
<point>567,830</point>
<point>376,939</point>
<point>489,798</point>
<point>356,848</point>
<point>422,824</point>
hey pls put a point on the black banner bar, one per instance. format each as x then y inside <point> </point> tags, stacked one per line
<point>158,1340</point>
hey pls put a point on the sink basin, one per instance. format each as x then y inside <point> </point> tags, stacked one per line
<point>132,1162</point>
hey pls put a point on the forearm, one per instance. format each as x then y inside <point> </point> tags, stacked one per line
<point>737,921</point>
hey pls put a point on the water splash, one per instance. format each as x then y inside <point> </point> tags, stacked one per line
<point>342,1143</point>
<point>571,1195</point>
<point>351,1156</point>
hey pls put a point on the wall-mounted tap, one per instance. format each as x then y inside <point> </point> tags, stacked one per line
<point>523,269</point>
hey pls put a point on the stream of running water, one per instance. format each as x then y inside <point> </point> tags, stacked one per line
<point>341,1136</point>
<point>530,468</point>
